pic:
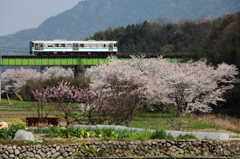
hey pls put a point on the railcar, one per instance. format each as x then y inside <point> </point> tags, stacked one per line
<point>65,47</point>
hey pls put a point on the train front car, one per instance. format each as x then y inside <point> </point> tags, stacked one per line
<point>37,47</point>
<point>30,47</point>
<point>64,47</point>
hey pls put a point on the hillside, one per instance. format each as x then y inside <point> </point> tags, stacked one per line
<point>90,16</point>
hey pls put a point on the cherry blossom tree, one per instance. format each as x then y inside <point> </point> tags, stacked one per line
<point>122,85</point>
<point>125,98</point>
<point>13,79</point>
<point>94,107</point>
<point>57,71</point>
<point>191,86</point>
<point>195,86</point>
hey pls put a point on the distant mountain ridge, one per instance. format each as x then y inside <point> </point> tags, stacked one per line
<point>90,16</point>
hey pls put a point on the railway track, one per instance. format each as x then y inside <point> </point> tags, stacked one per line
<point>122,55</point>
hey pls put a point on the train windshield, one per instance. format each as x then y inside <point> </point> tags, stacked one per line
<point>30,47</point>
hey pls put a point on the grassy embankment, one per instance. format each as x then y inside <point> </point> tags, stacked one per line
<point>146,120</point>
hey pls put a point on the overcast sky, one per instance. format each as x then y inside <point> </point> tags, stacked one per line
<point>16,15</point>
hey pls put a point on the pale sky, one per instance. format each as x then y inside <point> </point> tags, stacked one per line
<point>16,15</point>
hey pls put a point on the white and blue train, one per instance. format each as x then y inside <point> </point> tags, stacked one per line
<point>65,47</point>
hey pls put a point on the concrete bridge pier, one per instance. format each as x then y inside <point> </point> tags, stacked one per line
<point>78,70</point>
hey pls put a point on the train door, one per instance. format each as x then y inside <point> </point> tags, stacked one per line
<point>111,47</point>
<point>75,46</point>
<point>38,46</point>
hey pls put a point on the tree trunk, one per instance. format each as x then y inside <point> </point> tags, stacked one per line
<point>180,111</point>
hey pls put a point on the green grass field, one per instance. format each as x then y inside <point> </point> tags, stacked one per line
<point>157,120</point>
<point>17,109</point>
<point>144,119</point>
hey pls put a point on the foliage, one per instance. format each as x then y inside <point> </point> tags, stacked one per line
<point>54,131</point>
<point>17,123</point>
<point>94,107</point>
<point>31,86</point>
<point>50,77</point>
<point>14,79</point>
<point>122,87</point>
<point>224,40</point>
<point>140,135</point>
<point>108,132</point>
<point>4,134</point>
<point>190,86</point>
<point>57,71</point>
<point>217,40</point>
<point>105,134</point>
<point>60,98</point>
<point>161,134</point>
<point>13,126</point>
<point>167,48</point>
<point>66,101</point>
<point>158,37</point>
<point>42,83</point>
<point>186,136</point>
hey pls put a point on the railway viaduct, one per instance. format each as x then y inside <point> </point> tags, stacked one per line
<point>78,62</point>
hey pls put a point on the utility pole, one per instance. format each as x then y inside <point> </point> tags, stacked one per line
<point>0,74</point>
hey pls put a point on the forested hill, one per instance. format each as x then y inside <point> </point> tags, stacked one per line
<point>218,39</point>
<point>90,16</point>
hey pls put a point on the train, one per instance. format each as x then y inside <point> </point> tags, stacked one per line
<point>65,47</point>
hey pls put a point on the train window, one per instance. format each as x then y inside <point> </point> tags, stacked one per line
<point>75,45</point>
<point>69,45</point>
<point>104,45</point>
<point>56,45</point>
<point>62,45</point>
<point>114,45</point>
<point>81,45</point>
<point>50,45</point>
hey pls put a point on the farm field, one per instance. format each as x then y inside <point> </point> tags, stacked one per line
<point>19,109</point>
<point>144,119</point>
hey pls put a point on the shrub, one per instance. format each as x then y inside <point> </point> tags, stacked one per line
<point>54,131</point>
<point>186,136</point>
<point>14,125</point>
<point>109,132</point>
<point>77,132</point>
<point>4,134</point>
<point>161,134</point>
<point>17,123</point>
